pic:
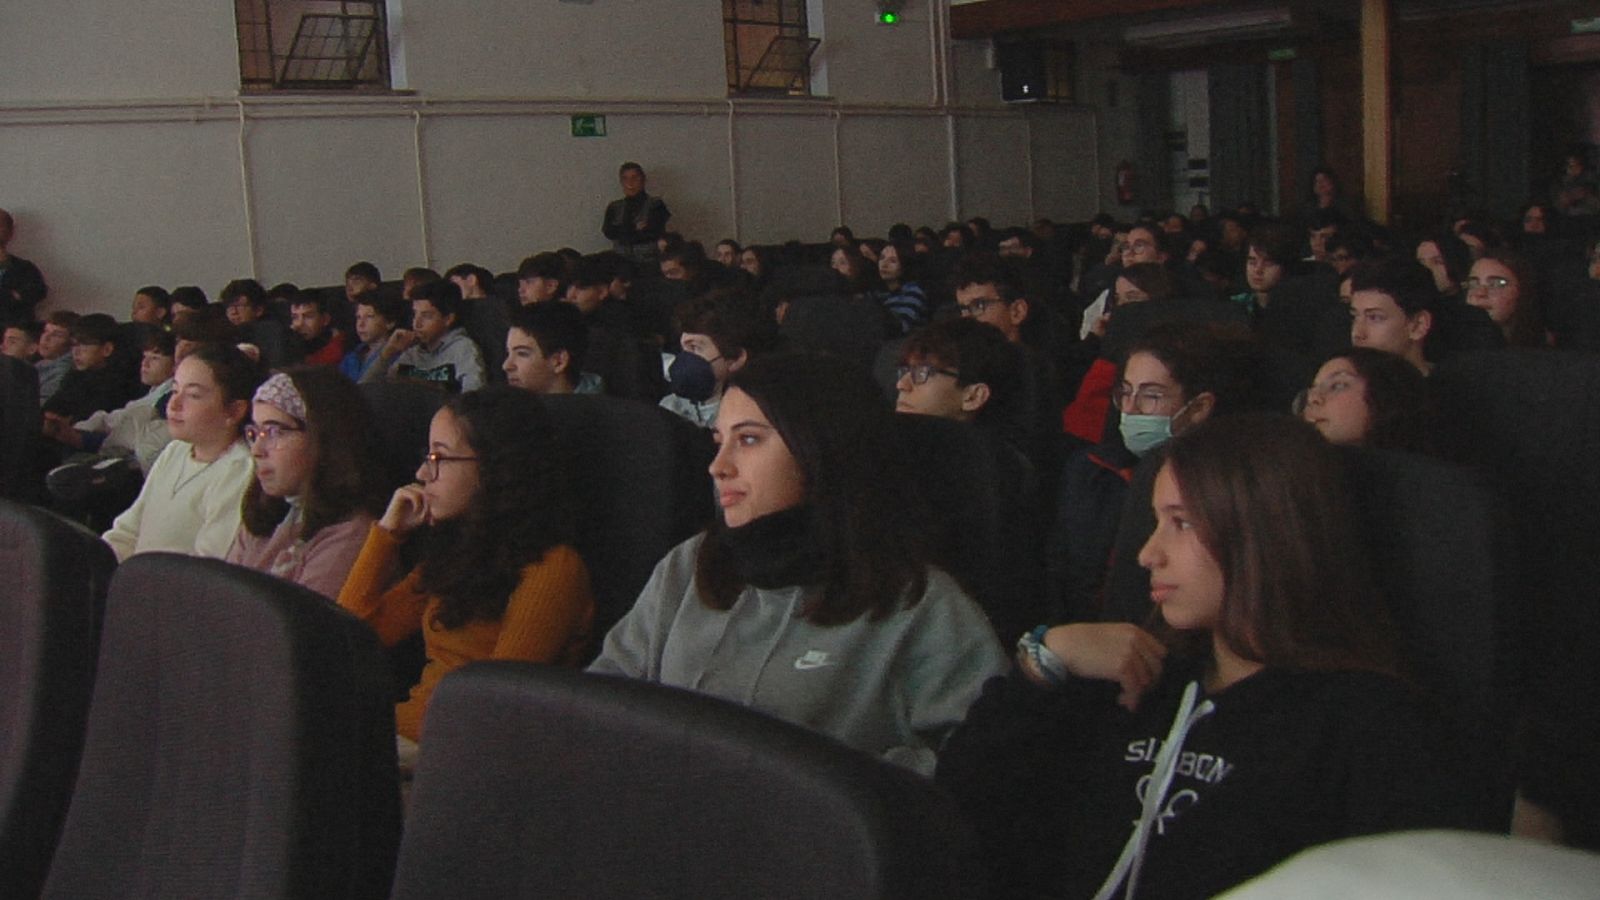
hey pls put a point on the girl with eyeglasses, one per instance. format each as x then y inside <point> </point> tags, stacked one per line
<point>1257,715</point>
<point>497,576</point>
<point>190,499</point>
<point>812,599</point>
<point>1502,284</point>
<point>1176,376</point>
<point>308,510</point>
<point>1363,397</point>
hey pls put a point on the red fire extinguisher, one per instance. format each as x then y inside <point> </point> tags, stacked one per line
<point>1125,183</point>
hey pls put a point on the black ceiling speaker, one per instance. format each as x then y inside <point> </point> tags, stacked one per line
<point>1022,75</point>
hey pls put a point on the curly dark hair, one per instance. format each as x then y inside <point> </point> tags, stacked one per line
<point>522,509</point>
<point>347,477</point>
<point>1398,409</point>
<point>832,420</point>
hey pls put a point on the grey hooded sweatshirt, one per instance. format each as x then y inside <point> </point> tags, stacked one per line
<point>894,688</point>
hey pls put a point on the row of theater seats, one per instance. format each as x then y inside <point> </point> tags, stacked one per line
<point>195,729</point>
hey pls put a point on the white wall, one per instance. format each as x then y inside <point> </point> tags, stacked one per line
<point>127,165</point>
<point>79,49</point>
<point>1114,94</point>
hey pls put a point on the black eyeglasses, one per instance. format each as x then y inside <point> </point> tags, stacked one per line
<point>976,308</point>
<point>921,374</point>
<point>431,462</point>
<point>269,434</point>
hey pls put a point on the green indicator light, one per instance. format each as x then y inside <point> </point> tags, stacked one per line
<point>888,18</point>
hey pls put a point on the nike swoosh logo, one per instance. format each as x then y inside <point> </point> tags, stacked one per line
<point>806,665</point>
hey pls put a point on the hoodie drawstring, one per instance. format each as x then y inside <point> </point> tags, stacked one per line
<point>1166,766</point>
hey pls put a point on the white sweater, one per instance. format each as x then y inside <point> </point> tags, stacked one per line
<point>185,506</point>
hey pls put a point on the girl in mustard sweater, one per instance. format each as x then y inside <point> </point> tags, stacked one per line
<point>498,577</point>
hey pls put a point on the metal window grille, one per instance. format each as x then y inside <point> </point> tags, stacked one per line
<point>769,47</point>
<point>1059,62</point>
<point>312,44</point>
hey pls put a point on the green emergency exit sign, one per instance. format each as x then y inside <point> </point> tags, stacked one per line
<point>588,126</point>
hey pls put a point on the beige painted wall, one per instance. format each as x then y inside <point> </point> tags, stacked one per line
<point>126,163</point>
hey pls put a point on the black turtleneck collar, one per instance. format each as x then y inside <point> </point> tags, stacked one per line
<point>775,550</point>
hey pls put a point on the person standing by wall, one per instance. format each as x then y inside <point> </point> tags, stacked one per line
<point>635,222</point>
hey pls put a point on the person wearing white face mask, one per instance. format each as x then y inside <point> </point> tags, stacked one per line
<point>1177,376</point>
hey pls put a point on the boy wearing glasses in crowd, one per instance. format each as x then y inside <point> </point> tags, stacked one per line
<point>964,370</point>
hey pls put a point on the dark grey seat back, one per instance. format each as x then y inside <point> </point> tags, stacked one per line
<point>539,782</point>
<point>240,744</point>
<point>56,575</point>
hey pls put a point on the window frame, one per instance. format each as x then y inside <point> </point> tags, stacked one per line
<point>790,20</point>
<point>269,33</point>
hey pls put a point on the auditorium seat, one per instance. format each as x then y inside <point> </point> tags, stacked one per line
<point>240,744</point>
<point>1531,418</point>
<point>885,365</point>
<point>402,411</point>
<point>50,611</point>
<point>19,430</point>
<point>541,782</point>
<point>980,495</point>
<point>640,475</point>
<point>486,320</point>
<point>1435,536</point>
<point>853,328</point>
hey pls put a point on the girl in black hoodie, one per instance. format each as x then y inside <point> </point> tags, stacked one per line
<point>1260,716</point>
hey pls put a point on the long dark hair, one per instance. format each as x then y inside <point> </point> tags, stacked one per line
<point>522,509</point>
<point>831,418</point>
<point>1267,496</point>
<point>347,478</point>
<point>1526,327</point>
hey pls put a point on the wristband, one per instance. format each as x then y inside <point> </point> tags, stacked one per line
<point>1044,660</point>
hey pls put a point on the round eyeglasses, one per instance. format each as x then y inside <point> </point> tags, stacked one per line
<point>1494,283</point>
<point>1142,402</point>
<point>270,434</point>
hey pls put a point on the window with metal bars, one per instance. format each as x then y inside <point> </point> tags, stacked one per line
<point>299,45</point>
<point>769,47</point>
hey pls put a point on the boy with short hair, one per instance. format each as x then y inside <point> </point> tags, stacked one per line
<point>93,384</point>
<point>1391,308</point>
<point>21,340</point>
<point>310,320</point>
<point>378,314</point>
<point>545,348</point>
<point>436,349</point>
<point>55,352</point>
<point>151,305</point>
<point>960,369</point>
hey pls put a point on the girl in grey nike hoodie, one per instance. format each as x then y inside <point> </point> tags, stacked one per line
<point>812,600</point>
